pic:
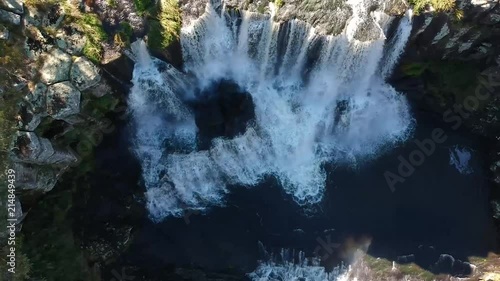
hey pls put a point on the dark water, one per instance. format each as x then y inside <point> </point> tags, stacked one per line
<point>437,210</point>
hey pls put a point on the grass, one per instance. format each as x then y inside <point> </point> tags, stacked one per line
<point>166,26</point>
<point>91,26</point>
<point>439,5</point>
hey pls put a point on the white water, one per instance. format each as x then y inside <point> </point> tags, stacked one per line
<point>460,158</point>
<point>298,125</point>
<point>289,266</point>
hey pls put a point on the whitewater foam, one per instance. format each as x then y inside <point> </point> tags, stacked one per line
<point>317,99</point>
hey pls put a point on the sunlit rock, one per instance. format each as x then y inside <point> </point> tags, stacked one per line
<point>63,100</point>
<point>56,66</point>
<point>15,6</point>
<point>84,74</point>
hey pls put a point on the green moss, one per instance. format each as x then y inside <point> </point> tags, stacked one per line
<point>143,5</point>
<point>382,269</point>
<point>166,26</point>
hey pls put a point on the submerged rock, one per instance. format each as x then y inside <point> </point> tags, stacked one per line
<point>84,74</point>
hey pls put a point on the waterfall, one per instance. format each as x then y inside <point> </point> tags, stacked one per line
<point>317,99</point>
<point>294,266</point>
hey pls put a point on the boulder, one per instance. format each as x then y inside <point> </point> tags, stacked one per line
<point>72,41</point>
<point>28,148</point>
<point>84,74</point>
<point>63,100</point>
<point>35,178</point>
<point>10,17</point>
<point>4,33</point>
<point>56,67</point>
<point>15,6</point>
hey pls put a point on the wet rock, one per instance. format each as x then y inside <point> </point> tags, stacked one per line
<point>63,100</point>
<point>10,17</point>
<point>15,6</point>
<point>55,67</point>
<point>28,148</point>
<point>331,20</point>
<point>84,74</point>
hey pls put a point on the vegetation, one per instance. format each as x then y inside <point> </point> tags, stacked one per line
<point>438,5</point>
<point>91,26</point>
<point>447,81</point>
<point>166,26</point>
<point>143,5</point>
<point>123,37</point>
<point>279,3</point>
<point>13,70</point>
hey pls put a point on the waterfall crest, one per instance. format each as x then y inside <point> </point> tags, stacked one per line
<point>317,99</point>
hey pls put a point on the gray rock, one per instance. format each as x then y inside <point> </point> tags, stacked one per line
<point>84,74</point>
<point>37,98</point>
<point>28,148</point>
<point>10,17</point>
<point>15,6</point>
<point>35,177</point>
<point>63,100</point>
<point>4,33</point>
<point>33,108</point>
<point>55,67</point>
<point>72,43</point>
<point>29,119</point>
<point>33,16</point>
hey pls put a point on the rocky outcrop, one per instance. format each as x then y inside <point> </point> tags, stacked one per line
<point>10,17</point>
<point>63,100</point>
<point>56,66</point>
<point>327,16</point>
<point>28,148</point>
<point>15,6</point>
<point>84,74</point>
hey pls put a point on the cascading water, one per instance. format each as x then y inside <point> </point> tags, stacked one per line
<point>317,99</point>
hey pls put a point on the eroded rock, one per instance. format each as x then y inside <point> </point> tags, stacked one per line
<point>84,74</point>
<point>63,100</point>
<point>55,67</point>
